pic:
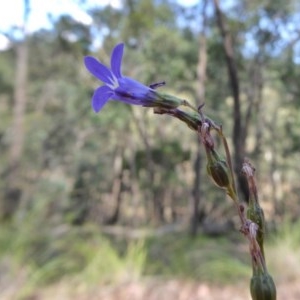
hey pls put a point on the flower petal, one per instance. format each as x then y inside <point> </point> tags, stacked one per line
<point>99,70</point>
<point>133,92</point>
<point>133,87</point>
<point>116,60</point>
<point>100,97</point>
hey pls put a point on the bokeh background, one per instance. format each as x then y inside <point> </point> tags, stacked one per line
<point>117,205</point>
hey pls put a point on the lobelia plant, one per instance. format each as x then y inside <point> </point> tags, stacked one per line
<point>125,89</point>
<point>219,169</point>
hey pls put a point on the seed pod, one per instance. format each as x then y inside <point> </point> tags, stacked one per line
<point>256,214</point>
<point>262,287</point>
<point>218,170</point>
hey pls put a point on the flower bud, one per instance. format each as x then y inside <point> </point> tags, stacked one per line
<point>218,170</point>
<point>166,101</point>
<point>262,287</point>
<point>256,215</point>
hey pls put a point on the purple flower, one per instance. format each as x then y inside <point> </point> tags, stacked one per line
<point>117,87</point>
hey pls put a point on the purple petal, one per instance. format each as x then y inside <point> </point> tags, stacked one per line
<point>116,60</point>
<point>100,97</point>
<point>133,87</point>
<point>99,70</point>
<point>133,92</point>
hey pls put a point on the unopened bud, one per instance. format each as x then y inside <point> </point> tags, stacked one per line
<point>262,287</point>
<point>256,215</point>
<point>218,169</point>
<point>166,100</point>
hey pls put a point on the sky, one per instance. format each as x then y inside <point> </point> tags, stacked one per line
<point>12,14</point>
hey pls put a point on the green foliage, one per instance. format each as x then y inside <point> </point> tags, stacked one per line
<point>63,135</point>
<point>176,71</point>
<point>284,251</point>
<point>287,234</point>
<point>6,73</point>
<point>69,165</point>
<point>203,258</point>
<point>49,253</point>
<point>138,25</point>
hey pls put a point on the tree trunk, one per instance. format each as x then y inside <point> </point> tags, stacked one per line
<point>238,136</point>
<point>117,188</point>
<point>157,205</point>
<point>201,76</point>
<point>13,191</point>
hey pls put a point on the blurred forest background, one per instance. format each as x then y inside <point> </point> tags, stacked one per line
<point>94,205</point>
